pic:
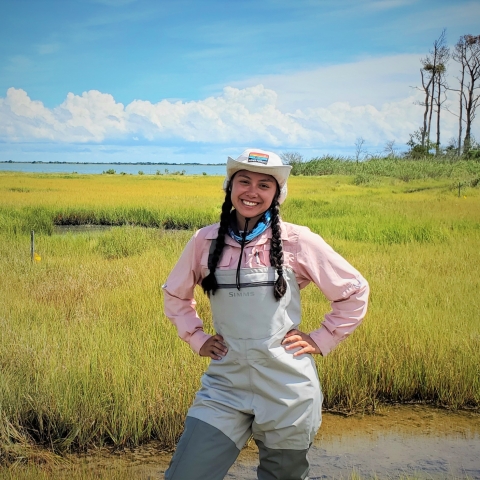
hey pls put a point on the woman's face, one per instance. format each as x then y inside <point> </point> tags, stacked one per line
<point>252,195</point>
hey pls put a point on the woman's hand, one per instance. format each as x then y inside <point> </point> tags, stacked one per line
<point>297,339</point>
<point>214,348</point>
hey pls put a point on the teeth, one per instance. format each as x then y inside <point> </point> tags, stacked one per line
<point>249,204</point>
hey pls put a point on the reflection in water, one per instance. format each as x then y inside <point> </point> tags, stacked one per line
<point>394,454</point>
<point>411,440</point>
<point>408,440</point>
<point>398,441</point>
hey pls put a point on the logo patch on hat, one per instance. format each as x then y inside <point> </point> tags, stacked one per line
<point>256,157</point>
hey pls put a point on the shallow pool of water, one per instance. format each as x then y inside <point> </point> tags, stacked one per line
<point>418,441</point>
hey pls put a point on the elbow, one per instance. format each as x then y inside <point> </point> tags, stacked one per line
<point>354,301</point>
<point>358,288</point>
<point>364,290</point>
<point>361,297</point>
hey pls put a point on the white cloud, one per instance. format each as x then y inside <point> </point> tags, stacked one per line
<point>94,115</point>
<point>91,117</point>
<point>343,123</point>
<point>245,116</point>
<point>234,116</point>
<point>372,81</point>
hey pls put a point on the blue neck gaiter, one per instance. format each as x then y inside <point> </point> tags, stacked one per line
<point>262,224</point>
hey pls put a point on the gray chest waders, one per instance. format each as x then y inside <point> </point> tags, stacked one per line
<point>259,387</point>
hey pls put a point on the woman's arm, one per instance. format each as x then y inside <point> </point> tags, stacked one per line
<point>341,283</point>
<point>179,300</point>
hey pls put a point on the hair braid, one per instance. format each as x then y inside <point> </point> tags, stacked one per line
<point>209,283</point>
<point>276,251</point>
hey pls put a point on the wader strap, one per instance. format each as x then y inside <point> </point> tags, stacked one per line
<point>210,253</point>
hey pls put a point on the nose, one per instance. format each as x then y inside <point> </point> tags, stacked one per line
<point>252,191</point>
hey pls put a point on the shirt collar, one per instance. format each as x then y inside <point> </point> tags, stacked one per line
<point>260,240</point>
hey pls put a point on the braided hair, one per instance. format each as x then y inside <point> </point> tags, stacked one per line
<point>209,283</point>
<point>276,250</point>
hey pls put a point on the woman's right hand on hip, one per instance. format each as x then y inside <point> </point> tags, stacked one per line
<point>214,348</point>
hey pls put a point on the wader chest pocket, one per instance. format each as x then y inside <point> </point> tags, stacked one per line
<point>251,312</point>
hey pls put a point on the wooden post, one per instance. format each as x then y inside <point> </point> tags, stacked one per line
<point>32,244</point>
<point>459,186</point>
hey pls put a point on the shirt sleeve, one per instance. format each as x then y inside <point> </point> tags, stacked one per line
<point>179,301</point>
<point>341,283</point>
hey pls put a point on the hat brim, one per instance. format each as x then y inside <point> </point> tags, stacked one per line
<point>279,172</point>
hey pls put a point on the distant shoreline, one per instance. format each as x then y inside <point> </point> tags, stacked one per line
<point>113,163</point>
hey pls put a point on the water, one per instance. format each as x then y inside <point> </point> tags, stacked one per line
<point>89,168</point>
<point>414,441</point>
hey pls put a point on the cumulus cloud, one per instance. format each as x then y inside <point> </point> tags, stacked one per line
<point>234,116</point>
<point>91,117</point>
<point>237,116</point>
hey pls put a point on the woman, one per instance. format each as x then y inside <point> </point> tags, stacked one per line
<point>262,379</point>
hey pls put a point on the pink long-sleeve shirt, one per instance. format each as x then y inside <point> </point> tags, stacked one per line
<point>306,253</point>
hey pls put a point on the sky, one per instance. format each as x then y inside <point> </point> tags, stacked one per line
<point>184,81</point>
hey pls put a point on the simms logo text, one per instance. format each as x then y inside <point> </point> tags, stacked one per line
<point>241,294</point>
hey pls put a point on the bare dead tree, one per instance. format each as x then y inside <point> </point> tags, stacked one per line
<point>467,54</point>
<point>292,158</point>
<point>436,65</point>
<point>390,150</point>
<point>433,75</point>
<point>441,98</point>
<point>458,54</point>
<point>433,71</point>
<point>427,81</point>
<point>359,150</point>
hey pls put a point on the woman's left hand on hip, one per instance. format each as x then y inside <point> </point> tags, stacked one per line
<point>297,339</point>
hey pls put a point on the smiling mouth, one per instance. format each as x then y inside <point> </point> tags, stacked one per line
<point>249,204</point>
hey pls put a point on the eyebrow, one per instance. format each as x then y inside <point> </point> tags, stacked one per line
<point>266,179</point>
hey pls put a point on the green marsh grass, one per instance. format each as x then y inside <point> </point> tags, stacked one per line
<point>87,357</point>
<point>404,169</point>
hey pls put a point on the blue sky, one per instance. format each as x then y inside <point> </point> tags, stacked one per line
<point>194,81</point>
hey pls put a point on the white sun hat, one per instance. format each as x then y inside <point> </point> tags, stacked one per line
<point>260,161</point>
